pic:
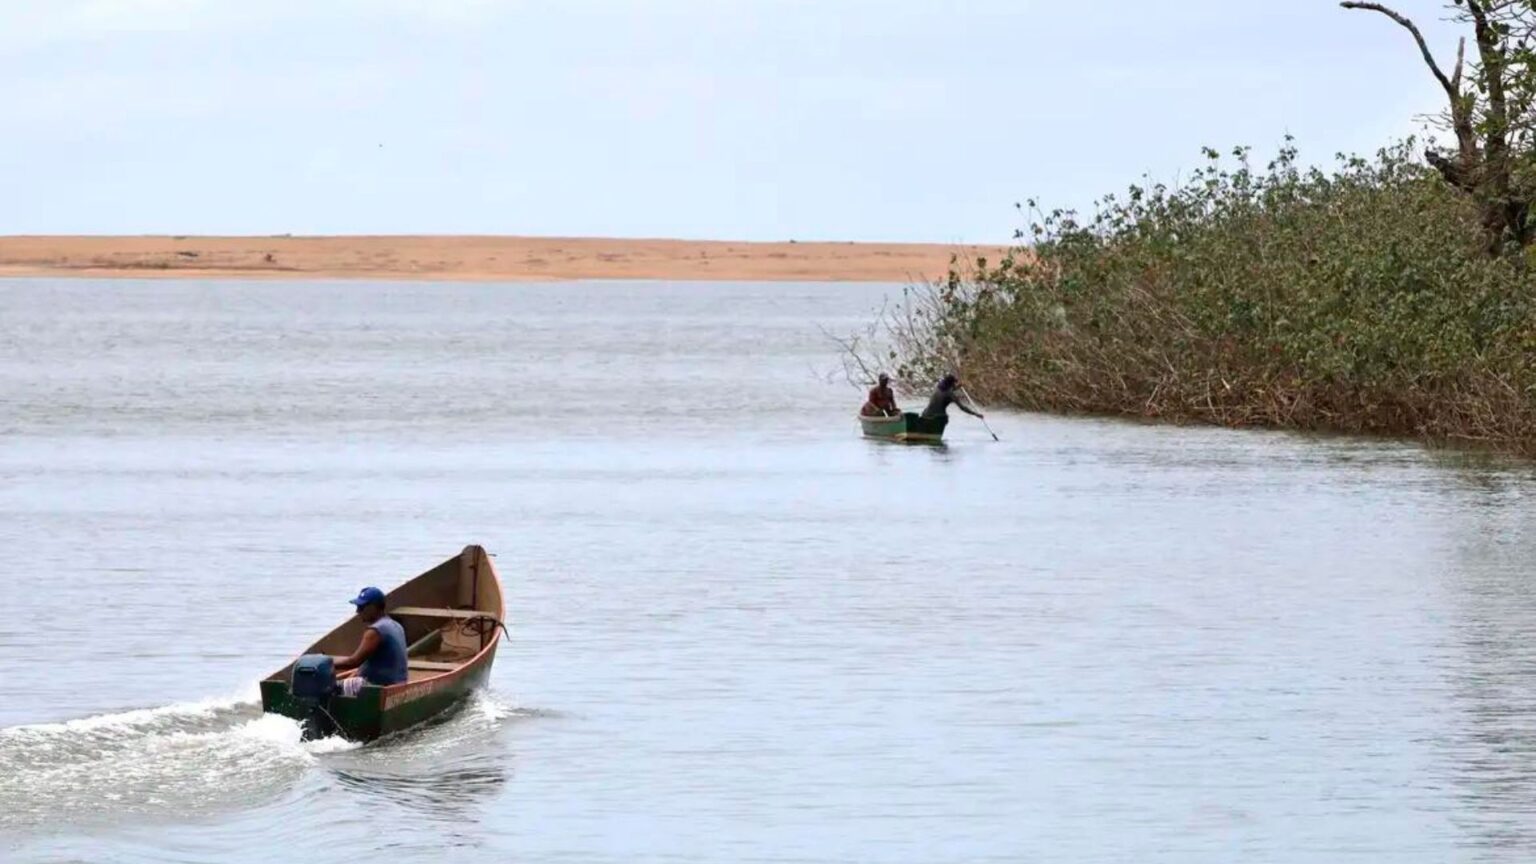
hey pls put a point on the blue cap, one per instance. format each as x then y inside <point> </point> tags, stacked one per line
<point>368,595</point>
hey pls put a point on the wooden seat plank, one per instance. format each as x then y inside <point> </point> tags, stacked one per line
<point>434,665</point>
<point>428,612</point>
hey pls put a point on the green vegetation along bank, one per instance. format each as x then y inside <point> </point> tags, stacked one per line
<point>1357,300</point>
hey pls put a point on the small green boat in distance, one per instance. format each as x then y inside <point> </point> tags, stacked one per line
<point>452,615</point>
<point>907,428</point>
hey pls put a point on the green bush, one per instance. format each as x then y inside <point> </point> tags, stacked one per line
<point>1359,300</point>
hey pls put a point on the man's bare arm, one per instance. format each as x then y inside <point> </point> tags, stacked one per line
<point>364,650</point>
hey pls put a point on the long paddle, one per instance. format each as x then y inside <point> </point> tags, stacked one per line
<point>983,420</point>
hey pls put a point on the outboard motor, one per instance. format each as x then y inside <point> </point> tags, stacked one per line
<point>312,685</point>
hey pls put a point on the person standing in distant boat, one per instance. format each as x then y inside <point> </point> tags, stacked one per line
<point>882,401</point>
<point>380,656</point>
<point>946,394</point>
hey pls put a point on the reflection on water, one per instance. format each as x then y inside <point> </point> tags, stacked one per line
<point>449,794</point>
<point>445,770</point>
<point>749,633</point>
<point>452,795</point>
<point>1493,687</point>
<point>937,450</point>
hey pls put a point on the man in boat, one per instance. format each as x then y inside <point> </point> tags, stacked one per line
<point>946,394</point>
<point>380,656</point>
<point>882,402</point>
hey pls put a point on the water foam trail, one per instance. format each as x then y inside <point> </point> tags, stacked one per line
<point>177,759</point>
<point>181,759</point>
<point>183,714</point>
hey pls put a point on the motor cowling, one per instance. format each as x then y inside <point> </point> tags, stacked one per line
<point>312,684</point>
<point>314,679</point>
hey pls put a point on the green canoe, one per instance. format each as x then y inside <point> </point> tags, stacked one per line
<point>452,617</point>
<point>909,427</point>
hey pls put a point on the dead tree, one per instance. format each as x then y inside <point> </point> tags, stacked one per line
<point>1490,115</point>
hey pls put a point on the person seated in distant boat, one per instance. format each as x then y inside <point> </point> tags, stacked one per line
<point>380,656</point>
<point>882,401</point>
<point>946,394</point>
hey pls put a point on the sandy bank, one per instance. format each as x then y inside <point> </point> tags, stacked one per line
<point>471,258</point>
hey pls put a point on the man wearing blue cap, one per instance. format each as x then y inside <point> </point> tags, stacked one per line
<point>381,654</point>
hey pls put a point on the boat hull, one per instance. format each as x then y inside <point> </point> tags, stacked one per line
<point>908,428</point>
<point>379,711</point>
<point>452,617</point>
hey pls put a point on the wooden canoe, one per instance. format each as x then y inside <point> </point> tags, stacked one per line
<point>450,616</point>
<point>908,428</point>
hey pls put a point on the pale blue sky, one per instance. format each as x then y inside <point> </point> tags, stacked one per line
<point>751,119</point>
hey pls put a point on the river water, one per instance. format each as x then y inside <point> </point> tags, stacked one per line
<point>742,633</point>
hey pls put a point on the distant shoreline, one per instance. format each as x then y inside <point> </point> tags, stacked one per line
<point>473,258</point>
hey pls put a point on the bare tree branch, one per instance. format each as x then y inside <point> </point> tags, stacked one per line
<point>1461,172</point>
<point>1451,89</point>
<point>1504,211</point>
<point>1490,47</point>
<point>1493,116</point>
<point>1461,57</point>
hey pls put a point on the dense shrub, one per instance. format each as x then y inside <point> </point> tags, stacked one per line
<point>1357,300</point>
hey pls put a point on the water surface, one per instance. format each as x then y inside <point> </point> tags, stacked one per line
<point>741,632</point>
